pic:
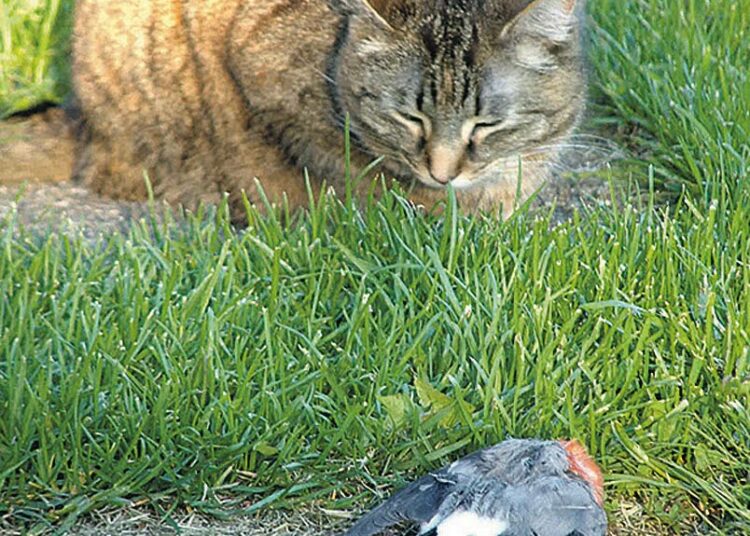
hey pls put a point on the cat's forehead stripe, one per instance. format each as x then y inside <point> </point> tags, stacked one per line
<point>451,43</point>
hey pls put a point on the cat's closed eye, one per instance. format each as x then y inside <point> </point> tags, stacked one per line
<point>417,123</point>
<point>487,123</point>
<point>454,98</point>
<point>477,130</point>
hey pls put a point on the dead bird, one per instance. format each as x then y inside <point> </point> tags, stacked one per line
<point>520,487</point>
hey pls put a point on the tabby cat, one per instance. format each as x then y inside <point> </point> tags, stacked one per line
<point>214,96</point>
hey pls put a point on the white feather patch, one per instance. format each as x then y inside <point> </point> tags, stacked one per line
<point>470,524</point>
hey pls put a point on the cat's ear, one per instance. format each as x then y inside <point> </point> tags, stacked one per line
<point>381,12</point>
<point>554,20</point>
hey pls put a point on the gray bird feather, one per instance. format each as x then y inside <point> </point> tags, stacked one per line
<point>527,483</point>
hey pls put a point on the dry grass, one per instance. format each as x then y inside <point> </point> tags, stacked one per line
<point>629,519</point>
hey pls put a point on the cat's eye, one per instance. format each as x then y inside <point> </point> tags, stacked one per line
<point>487,124</point>
<point>420,119</point>
<point>476,130</point>
<point>417,123</point>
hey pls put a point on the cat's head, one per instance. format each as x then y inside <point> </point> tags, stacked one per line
<point>456,91</point>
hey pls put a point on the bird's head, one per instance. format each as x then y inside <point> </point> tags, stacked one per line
<point>584,466</point>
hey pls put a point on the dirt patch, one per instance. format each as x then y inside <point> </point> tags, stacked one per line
<point>272,523</point>
<point>41,207</point>
<point>628,520</point>
<point>39,148</point>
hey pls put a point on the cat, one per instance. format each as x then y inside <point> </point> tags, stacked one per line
<point>208,97</point>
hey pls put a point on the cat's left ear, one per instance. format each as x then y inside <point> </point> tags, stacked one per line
<point>554,20</point>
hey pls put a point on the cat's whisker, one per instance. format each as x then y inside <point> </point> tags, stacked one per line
<point>595,139</point>
<point>563,150</point>
<point>590,135</point>
<point>324,75</point>
<point>568,146</point>
<point>593,142</point>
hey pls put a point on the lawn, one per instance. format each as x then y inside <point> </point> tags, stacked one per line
<point>314,361</point>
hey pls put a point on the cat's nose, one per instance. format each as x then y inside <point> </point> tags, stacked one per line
<point>442,179</point>
<point>444,163</point>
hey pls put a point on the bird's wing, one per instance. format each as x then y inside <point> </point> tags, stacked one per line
<point>421,501</point>
<point>552,506</point>
<point>441,492</point>
<point>418,502</point>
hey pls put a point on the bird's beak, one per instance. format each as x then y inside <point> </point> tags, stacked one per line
<point>584,466</point>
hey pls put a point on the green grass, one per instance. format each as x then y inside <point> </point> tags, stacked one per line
<point>178,362</point>
<point>191,365</point>
<point>678,71</point>
<point>34,47</point>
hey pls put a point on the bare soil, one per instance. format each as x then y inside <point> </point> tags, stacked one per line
<point>39,148</point>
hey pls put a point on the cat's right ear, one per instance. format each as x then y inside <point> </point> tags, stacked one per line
<point>374,11</point>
